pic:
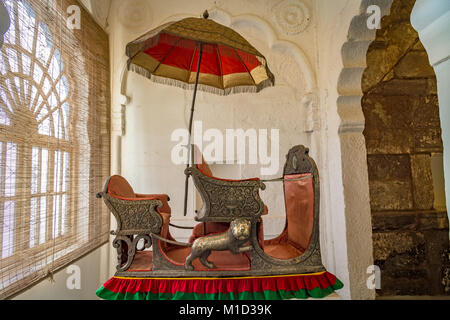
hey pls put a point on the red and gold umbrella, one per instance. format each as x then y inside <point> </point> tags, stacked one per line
<point>174,53</point>
<point>202,54</point>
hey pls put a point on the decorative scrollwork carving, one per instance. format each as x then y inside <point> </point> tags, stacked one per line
<point>118,243</point>
<point>292,16</point>
<point>227,200</point>
<point>126,247</point>
<point>134,14</point>
<point>135,217</point>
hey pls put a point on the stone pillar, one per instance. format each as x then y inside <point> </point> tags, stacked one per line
<point>353,150</point>
<point>431,19</point>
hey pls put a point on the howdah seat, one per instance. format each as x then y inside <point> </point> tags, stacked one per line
<point>227,256</point>
<point>137,216</point>
<point>295,250</point>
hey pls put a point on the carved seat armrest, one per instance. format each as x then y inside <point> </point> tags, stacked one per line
<point>134,215</point>
<point>164,198</point>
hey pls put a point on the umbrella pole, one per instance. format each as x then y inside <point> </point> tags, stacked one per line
<point>186,182</point>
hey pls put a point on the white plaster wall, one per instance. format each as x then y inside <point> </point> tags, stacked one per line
<point>302,105</point>
<point>92,276</point>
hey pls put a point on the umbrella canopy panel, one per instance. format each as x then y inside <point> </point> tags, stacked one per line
<point>169,54</point>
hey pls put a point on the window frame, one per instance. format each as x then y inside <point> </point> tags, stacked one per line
<point>66,143</point>
<point>24,150</point>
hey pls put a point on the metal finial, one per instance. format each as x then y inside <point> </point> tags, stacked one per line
<point>205,14</point>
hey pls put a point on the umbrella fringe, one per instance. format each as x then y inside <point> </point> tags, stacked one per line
<point>140,70</point>
<point>205,88</point>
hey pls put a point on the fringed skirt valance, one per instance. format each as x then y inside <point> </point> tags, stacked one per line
<point>300,286</point>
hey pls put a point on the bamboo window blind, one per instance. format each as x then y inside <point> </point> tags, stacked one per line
<point>54,141</point>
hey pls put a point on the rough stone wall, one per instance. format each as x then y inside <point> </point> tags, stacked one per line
<point>402,132</point>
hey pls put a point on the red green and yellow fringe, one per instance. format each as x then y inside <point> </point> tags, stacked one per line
<point>300,286</point>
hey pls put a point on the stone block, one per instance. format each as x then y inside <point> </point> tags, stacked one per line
<point>403,87</point>
<point>384,221</point>
<point>388,141</point>
<point>432,86</point>
<point>389,167</point>
<point>414,64</point>
<point>388,111</point>
<point>437,260</point>
<point>418,46</point>
<point>427,140</point>
<point>388,221</point>
<point>390,195</point>
<point>387,245</point>
<point>400,11</point>
<point>401,257</point>
<point>410,249</point>
<point>422,181</point>
<point>379,62</point>
<point>426,112</point>
<point>400,34</point>
<point>403,286</point>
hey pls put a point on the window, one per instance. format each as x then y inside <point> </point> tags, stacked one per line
<point>53,156</point>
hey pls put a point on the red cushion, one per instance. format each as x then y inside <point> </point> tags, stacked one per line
<point>299,202</point>
<point>284,251</point>
<point>119,186</point>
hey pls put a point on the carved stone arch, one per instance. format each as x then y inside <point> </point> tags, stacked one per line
<point>353,149</point>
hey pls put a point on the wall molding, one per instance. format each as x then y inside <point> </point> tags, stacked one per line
<point>292,16</point>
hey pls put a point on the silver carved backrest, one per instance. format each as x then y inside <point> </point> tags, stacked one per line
<point>225,200</point>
